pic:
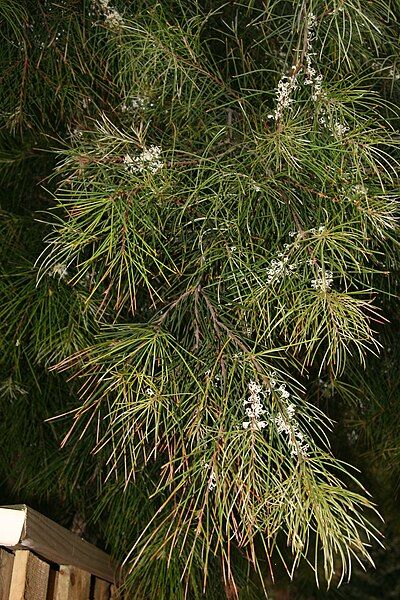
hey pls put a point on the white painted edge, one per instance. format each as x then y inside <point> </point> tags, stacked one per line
<point>11,526</point>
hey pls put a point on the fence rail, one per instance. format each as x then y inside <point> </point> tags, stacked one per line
<point>40,560</point>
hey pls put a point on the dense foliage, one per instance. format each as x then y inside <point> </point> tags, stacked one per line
<point>199,278</point>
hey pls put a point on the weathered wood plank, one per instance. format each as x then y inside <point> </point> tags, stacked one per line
<point>101,589</point>
<point>29,577</point>
<point>72,584</point>
<point>6,567</point>
<point>18,579</point>
<point>52,585</point>
<point>57,544</point>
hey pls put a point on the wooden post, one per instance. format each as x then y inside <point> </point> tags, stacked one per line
<point>6,567</point>
<point>101,589</point>
<point>29,578</point>
<point>72,584</point>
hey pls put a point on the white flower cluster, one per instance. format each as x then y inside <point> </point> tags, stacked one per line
<point>336,128</point>
<point>311,77</point>
<point>136,103</point>
<point>259,417</point>
<point>112,17</point>
<point>254,408</point>
<point>323,282</point>
<point>216,381</point>
<point>339,129</point>
<point>320,229</point>
<point>360,190</point>
<point>279,268</point>
<point>286,87</point>
<point>58,270</point>
<point>148,160</point>
<point>317,88</point>
<point>289,83</point>
<point>212,482</point>
<point>288,425</point>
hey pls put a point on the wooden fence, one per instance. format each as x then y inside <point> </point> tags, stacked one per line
<point>40,560</point>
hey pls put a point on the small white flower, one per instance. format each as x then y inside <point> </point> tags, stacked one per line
<point>128,160</point>
<point>286,88</point>
<point>289,427</point>
<point>58,270</point>
<point>149,392</point>
<point>212,481</point>
<point>258,417</point>
<point>135,104</point>
<point>323,282</point>
<point>339,129</point>
<point>283,391</point>
<point>278,269</point>
<point>112,17</point>
<point>148,160</point>
<point>360,190</point>
<point>254,408</point>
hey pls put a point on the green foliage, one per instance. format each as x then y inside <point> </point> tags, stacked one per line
<point>199,253</point>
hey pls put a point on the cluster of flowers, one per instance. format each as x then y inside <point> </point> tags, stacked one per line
<point>288,425</point>
<point>289,83</point>
<point>311,77</point>
<point>320,229</point>
<point>216,380</point>
<point>279,268</point>
<point>323,282</point>
<point>336,128</point>
<point>212,481</point>
<point>286,87</point>
<point>259,417</point>
<point>148,161</point>
<point>58,270</point>
<point>360,190</point>
<point>136,103</point>
<point>112,17</point>
<point>255,408</point>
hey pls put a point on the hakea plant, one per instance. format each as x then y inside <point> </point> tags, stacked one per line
<point>200,242</point>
